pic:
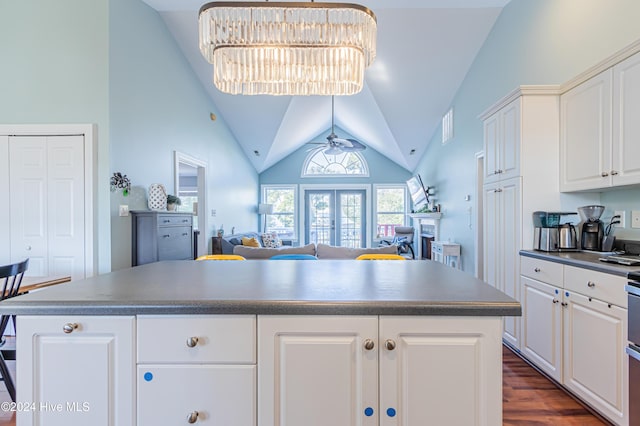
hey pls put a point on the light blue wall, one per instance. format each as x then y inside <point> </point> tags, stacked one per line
<point>532,42</point>
<point>289,169</point>
<point>54,69</point>
<point>158,106</point>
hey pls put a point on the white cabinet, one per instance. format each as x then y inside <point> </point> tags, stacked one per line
<point>585,134</point>
<point>542,326</point>
<point>317,371</point>
<point>600,130</point>
<point>595,337</point>
<point>196,368</point>
<point>502,233</point>
<point>502,143</point>
<point>440,371</point>
<point>420,363</point>
<point>574,331</point>
<point>76,370</point>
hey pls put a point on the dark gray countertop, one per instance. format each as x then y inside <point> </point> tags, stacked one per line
<point>588,260</point>
<point>295,287</point>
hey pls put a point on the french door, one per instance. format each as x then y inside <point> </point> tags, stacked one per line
<point>336,217</point>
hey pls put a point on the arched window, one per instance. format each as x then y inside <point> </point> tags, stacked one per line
<point>319,164</point>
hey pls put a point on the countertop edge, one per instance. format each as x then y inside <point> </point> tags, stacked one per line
<point>498,309</point>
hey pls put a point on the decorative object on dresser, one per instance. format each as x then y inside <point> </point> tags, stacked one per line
<point>173,202</point>
<point>157,236</point>
<point>157,197</point>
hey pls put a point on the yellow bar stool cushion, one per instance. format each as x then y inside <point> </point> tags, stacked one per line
<point>221,257</point>
<point>380,256</point>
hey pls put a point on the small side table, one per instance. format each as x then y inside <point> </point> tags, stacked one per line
<point>447,253</point>
<point>216,245</point>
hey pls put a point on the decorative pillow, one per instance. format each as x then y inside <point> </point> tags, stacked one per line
<point>235,241</point>
<point>271,240</point>
<point>250,242</point>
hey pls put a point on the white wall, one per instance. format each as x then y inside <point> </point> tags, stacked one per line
<point>532,42</point>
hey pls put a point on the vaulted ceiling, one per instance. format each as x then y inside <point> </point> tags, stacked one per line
<point>425,48</point>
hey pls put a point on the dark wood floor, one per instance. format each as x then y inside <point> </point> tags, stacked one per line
<point>528,398</point>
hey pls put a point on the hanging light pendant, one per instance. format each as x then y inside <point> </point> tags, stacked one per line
<point>282,48</point>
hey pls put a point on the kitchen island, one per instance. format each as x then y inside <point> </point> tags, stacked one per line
<point>257,342</point>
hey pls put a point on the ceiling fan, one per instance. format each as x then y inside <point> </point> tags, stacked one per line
<point>336,145</point>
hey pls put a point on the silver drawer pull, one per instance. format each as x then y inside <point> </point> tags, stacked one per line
<point>192,417</point>
<point>369,344</point>
<point>555,300</point>
<point>69,327</point>
<point>166,236</point>
<point>605,174</point>
<point>536,270</point>
<point>166,221</point>
<point>192,342</point>
<point>184,234</point>
<point>591,284</point>
<point>614,173</point>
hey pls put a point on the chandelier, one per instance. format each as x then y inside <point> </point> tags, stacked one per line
<point>282,48</point>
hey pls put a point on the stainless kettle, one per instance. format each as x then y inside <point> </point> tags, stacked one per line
<point>567,237</point>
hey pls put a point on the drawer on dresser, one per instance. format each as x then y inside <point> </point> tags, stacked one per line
<point>606,287</point>
<point>174,243</point>
<point>541,270</point>
<point>172,220</point>
<point>228,339</point>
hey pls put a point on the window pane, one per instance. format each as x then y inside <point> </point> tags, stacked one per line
<point>282,220</point>
<point>390,210</point>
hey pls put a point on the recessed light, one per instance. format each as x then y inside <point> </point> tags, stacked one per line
<point>413,151</point>
<point>213,117</point>
<point>256,153</point>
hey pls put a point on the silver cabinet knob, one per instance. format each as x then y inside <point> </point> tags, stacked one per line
<point>555,300</point>
<point>192,417</point>
<point>613,173</point>
<point>369,344</point>
<point>591,284</point>
<point>604,174</point>
<point>536,270</point>
<point>390,344</point>
<point>69,327</point>
<point>28,248</point>
<point>192,342</point>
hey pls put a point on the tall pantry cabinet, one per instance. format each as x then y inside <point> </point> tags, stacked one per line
<point>520,176</point>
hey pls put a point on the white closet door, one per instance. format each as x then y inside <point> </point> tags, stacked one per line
<point>46,187</point>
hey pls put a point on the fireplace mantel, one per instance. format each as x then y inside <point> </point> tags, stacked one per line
<point>425,219</point>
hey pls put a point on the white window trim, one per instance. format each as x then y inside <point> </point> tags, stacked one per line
<point>312,154</point>
<point>337,187</point>
<point>374,204</point>
<point>294,187</point>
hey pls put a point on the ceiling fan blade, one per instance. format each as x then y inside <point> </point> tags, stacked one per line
<point>355,146</point>
<point>334,150</point>
<point>342,142</point>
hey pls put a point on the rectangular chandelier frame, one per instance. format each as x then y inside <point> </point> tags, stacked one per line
<point>282,48</point>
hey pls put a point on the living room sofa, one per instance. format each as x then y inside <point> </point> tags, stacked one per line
<point>321,251</point>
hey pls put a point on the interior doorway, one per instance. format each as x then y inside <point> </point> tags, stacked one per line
<point>190,187</point>
<point>336,217</point>
<point>479,215</point>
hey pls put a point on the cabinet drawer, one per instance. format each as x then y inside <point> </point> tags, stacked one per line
<point>175,243</point>
<point>606,287</point>
<point>229,339</point>
<point>219,394</point>
<point>173,220</point>
<point>541,270</point>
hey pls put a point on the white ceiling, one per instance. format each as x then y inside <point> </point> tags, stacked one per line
<point>425,48</point>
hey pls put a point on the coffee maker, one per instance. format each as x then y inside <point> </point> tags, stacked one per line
<point>592,227</point>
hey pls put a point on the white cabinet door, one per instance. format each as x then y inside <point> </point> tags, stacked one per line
<point>440,371</point>
<point>502,143</point>
<point>585,135</point>
<point>595,363</point>
<point>83,377</point>
<point>502,236</point>
<point>316,371</point>
<point>626,126</point>
<point>542,326</point>
<point>200,394</point>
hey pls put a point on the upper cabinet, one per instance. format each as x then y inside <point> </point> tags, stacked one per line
<point>502,143</point>
<point>597,130</point>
